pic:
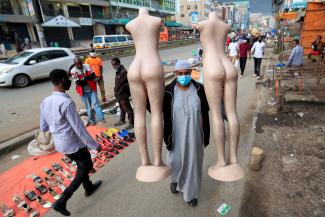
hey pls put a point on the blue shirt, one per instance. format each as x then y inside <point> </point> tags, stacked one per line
<point>296,57</point>
<point>60,117</point>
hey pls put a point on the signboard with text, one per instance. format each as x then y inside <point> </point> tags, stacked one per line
<point>85,21</point>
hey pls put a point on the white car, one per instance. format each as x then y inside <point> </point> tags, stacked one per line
<point>33,64</point>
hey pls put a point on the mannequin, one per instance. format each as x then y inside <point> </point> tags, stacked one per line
<point>146,78</point>
<point>217,69</point>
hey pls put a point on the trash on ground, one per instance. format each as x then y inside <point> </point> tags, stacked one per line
<point>271,103</point>
<point>14,157</point>
<point>223,209</point>
<point>300,114</point>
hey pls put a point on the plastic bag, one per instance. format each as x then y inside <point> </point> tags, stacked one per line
<point>237,63</point>
<point>42,144</point>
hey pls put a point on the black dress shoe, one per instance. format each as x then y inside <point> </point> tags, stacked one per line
<point>93,188</point>
<point>60,207</point>
<point>192,203</point>
<point>173,188</point>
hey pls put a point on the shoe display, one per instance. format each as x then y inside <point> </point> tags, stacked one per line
<point>94,187</point>
<point>66,174</point>
<point>192,203</point>
<point>66,160</point>
<point>173,188</point>
<point>61,186</point>
<point>56,166</point>
<point>49,172</point>
<point>119,123</point>
<point>6,212</point>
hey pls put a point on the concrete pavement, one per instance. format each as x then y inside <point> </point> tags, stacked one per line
<point>19,112</point>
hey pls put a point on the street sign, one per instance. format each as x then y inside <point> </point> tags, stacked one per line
<point>60,21</point>
<point>85,21</point>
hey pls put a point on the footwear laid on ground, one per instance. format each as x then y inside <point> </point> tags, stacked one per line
<point>101,122</point>
<point>95,186</point>
<point>241,76</point>
<point>192,203</point>
<point>173,188</point>
<point>90,124</point>
<point>119,123</point>
<point>129,127</point>
<point>6,212</point>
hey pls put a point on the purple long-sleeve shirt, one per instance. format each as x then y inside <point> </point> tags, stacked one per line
<point>60,117</point>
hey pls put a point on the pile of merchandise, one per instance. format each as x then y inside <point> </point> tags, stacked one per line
<point>51,181</point>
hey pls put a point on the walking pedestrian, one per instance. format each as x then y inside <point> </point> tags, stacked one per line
<point>233,51</point>
<point>122,94</point>
<point>244,51</point>
<point>258,53</point>
<point>96,64</point>
<point>186,132</point>
<point>3,50</point>
<point>92,48</point>
<point>59,116</point>
<point>87,89</point>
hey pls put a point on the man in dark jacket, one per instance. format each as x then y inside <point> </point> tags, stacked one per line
<point>186,131</point>
<point>122,93</point>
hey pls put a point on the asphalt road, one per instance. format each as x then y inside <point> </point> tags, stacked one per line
<point>19,111</point>
<point>121,195</point>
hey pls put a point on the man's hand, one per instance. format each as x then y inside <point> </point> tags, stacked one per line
<point>97,79</point>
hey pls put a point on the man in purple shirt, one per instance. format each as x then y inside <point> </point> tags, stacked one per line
<point>60,117</point>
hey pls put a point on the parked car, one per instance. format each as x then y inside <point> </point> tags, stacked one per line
<point>21,69</point>
<point>108,41</point>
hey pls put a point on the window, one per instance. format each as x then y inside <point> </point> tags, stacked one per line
<point>121,38</point>
<point>195,6</point>
<point>182,15</point>
<point>190,14</point>
<point>188,6</point>
<point>98,40</point>
<point>54,54</point>
<point>18,58</point>
<point>182,7</point>
<point>130,38</point>
<point>110,39</point>
<point>41,57</point>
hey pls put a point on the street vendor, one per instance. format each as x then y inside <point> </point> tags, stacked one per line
<point>186,132</point>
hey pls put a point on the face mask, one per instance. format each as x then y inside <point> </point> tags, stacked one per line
<point>184,79</point>
<point>67,84</point>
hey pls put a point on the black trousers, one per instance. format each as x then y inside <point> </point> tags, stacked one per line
<point>84,165</point>
<point>242,63</point>
<point>126,108</point>
<point>257,64</point>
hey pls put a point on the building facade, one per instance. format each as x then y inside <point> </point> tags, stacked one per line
<point>95,17</point>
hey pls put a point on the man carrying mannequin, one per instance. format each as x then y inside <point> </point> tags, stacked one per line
<point>60,117</point>
<point>186,131</point>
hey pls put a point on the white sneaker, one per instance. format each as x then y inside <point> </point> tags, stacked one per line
<point>258,77</point>
<point>241,76</point>
<point>254,75</point>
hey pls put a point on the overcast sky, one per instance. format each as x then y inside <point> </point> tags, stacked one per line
<point>259,6</point>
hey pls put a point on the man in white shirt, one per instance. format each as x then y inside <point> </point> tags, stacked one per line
<point>233,51</point>
<point>60,117</point>
<point>258,52</point>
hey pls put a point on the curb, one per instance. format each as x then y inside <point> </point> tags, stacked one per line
<point>24,139</point>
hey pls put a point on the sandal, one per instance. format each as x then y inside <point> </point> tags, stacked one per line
<point>57,166</point>
<point>34,213</point>
<point>71,168</point>
<point>41,188</point>
<point>66,174</point>
<point>61,186</point>
<point>52,182</point>
<point>35,178</point>
<point>6,212</point>
<point>44,203</point>
<point>21,204</point>
<point>55,195</point>
<point>66,160</point>
<point>49,172</point>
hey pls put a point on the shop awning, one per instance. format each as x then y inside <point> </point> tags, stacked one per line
<point>114,21</point>
<point>289,15</point>
<point>173,24</point>
<point>60,21</point>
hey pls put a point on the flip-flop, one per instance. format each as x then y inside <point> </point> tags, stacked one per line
<point>52,182</point>
<point>54,194</point>
<point>6,211</point>
<point>44,203</point>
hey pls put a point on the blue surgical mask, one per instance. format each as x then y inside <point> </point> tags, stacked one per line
<point>184,79</point>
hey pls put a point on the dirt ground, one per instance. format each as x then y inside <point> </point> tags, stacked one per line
<point>291,182</point>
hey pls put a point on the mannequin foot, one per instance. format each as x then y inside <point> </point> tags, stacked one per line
<point>227,173</point>
<point>151,173</point>
<point>233,160</point>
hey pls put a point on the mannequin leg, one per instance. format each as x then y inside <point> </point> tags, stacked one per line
<point>139,98</point>
<point>155,89</point>
<point>213,91</point>
<point>230,96</point>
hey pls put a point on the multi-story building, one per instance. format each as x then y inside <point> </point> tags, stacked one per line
<point>93,16</point>
<point>16,21</point>
<point>191,11</point>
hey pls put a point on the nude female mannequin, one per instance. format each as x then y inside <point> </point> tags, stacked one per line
<point>146,77</point>
<point>217,68</point>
